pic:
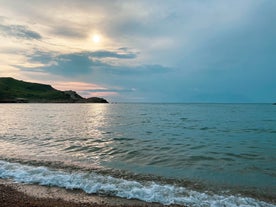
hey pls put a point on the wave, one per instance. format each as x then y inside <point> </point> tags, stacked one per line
<point>93,183</point>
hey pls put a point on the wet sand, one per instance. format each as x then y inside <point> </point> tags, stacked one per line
<point>23,195</point>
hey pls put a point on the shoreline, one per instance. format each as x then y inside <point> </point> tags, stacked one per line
<point>29,195</point>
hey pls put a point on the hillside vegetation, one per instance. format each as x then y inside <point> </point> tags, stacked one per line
<point>12,90</point>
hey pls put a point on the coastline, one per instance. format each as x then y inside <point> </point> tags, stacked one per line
<point>26,195</point>
<point>103,151</point>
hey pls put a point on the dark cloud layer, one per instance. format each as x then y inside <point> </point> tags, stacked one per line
<point>19,31</point>
<point>84,63</point>
<point>109,54</point>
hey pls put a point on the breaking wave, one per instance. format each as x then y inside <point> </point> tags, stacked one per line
<point>94,183</point>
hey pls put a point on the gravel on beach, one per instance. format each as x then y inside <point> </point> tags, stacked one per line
<point>18,195</point>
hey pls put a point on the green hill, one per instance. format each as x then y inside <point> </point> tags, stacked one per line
<point>12,90</point>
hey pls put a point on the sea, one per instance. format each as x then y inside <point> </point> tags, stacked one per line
<point>186,154</point>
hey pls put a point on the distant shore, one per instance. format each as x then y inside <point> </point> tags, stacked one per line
<point>17,91</point>
<point>23,195</point>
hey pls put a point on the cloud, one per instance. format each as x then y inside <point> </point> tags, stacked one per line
<point>104,92</point>
<point>85,89</point>
<point>111,54</point>
<point>112,90</point>
<point>90,89</point>
<point>69,31</point>
<point>108,80</point>
<point>85,63</point>
<point>19,32</point>
<point>69,64</point>
<point>225,49</point>
<point>100,94</point>
<point>79,86</point>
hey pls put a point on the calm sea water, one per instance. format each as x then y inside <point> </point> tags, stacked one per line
<point>192,154</point>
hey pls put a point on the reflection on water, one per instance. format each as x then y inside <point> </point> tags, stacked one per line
<point>53,131</point>
<point>222,144</point>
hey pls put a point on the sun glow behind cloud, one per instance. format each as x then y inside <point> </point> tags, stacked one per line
<point>165,50</point>
<point>96,38</point>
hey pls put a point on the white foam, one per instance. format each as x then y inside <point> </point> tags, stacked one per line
<point>95,183</point>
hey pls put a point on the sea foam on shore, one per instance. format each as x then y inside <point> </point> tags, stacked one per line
<point>93,183</point>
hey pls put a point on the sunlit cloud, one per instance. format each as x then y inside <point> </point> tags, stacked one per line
<point>78,86</point>
<point>163,49</point>
<point>84,89</point>
<point>99,94</point>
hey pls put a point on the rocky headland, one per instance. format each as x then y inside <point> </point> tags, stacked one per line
<point>17,91</point>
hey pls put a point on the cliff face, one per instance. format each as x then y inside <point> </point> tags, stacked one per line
<point>74,96</point>
<point>16,91</point>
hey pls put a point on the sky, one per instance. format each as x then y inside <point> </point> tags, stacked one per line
<point>216,51</point>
